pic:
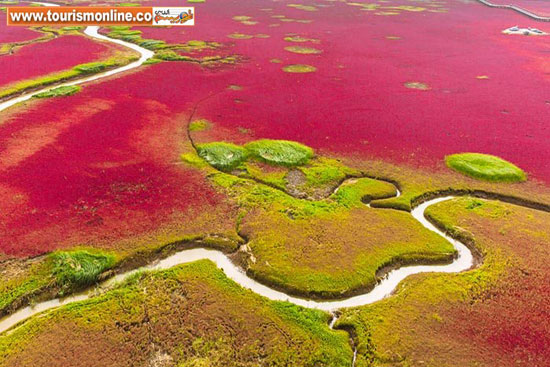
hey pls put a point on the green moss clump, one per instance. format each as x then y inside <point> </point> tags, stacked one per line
<point>221,155</point>
<point>152,44</point>
<point>79,268</point>
<point>485,167</point>
<point>66,90</point>
<point>351,194</point>
<point>240,36</point>
<point>91,68</point>
<point>68,29</point>
<point>280,152</point>
<point>168,55</point>
<point>151,61</point>
<point>303,50</point>
<point>299,68</point>
<point>199,125</point>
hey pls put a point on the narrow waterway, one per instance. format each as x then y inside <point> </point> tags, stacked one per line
<point>383,289</point>
<point>91,31</point>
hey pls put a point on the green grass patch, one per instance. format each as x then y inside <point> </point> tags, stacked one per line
<point>200,296</point>
<point>128,4</point>
<point>79,268</point>
<point>91,68</point>
<point>485,167</point>
<point>62,76</point>
<point>299,68</point>
<point>221,155</point>
<point>280,152</point>
<point>199,125</point>
<point>66,90</point>
<point>303,50</point>
<point>351,194</point>
<point>151,61</point>
<point>69,29</point>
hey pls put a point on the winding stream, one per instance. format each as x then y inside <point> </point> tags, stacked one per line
<point>91,31</point>
<point>384,288</point>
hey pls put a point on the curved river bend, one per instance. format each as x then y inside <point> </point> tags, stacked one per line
<point>463,261</point>
<point>91,31</point>
<point>384,288</point>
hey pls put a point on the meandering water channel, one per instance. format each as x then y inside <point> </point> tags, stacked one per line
<point>384,288</point>
<point>463,261</point>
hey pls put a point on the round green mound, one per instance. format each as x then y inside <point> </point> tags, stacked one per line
<point>223,156</point>
<point>485,167</point>
<point>280,152</point>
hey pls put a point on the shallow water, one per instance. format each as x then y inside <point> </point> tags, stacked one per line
<point>91,31</point>
<point>382,290</point>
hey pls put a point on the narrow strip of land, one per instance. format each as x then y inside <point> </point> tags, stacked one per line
<point>518,9</point>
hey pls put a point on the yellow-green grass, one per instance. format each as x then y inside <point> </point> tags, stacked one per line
<point>485,167</point>
<point>63,91</point>
<point>418,325</point>
<point>190,315</point>
<point>280,152</point>
<point>223,156</point>
<point>295,242</point>
<point>299,39</point>
<point>58,77</point>
<point>199,125</point>
<point>330,252</point>
<point>60,272</point>
<point>416,183</point>
<point>303,50</point>
<point>299,68</point>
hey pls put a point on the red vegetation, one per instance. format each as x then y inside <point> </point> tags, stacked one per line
<point>14,34</point>
<point>42,58</point>
<point>99,166</point>
<point>511,321</point>
<point>358,89</point>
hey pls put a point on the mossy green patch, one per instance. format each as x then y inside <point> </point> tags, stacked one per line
<point>355,191</point>
<point>299,68</point>
<point>485,167</point>
<point>299,39</point>
<point>303,7</point>
<point>280,152</point>
<point>199,125</point>
<point>66,90</point>
<point>303,50</point>
<point>58,77</point>
<point>223,156</point>
<point>213,315</point>
<point>91,68</point>
<point>79,268</point>
<point>240,36</point>
<point>417,85</point>
<point>152,61</point>
<point>240,18</point>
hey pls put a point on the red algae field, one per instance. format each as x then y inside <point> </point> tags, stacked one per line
<point>371,179</point>
<point>42,58</point>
